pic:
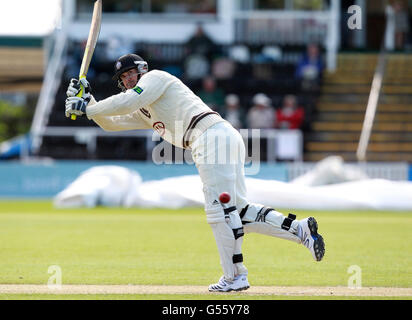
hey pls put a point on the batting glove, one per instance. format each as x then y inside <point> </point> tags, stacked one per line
<point>76,105</point>
<point>75,86</point>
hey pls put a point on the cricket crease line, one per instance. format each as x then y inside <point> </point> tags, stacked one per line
<point>187,289</point>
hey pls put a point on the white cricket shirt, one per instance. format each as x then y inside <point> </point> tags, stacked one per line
<point>159,101</point>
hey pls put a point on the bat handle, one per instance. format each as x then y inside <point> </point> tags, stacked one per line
<point>73,116</point>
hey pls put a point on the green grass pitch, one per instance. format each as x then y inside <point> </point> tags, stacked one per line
<point>176,247</point>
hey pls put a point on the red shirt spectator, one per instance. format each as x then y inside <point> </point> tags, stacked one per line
<point>290,115</point>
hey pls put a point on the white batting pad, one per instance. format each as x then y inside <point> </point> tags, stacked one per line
<point>225,242</point>
<point>272,226</point>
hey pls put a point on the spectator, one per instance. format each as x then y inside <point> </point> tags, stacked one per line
<point>233,112</point>
<point>290,115</point>
<point>205,6</point>
<point>196,67</point>
<point>117,46</point>
<point>309,69</point>
<point>74,61</point>
<point>223,68</point>
<point>211,95</point>
<point>401,24</point>
<point>201,44</point>
<point>390,27</point>
<point>409,10</point>
<point>262,115</point>
<point>200,52</point>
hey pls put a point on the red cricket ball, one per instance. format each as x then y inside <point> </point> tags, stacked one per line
<point>224,197</point>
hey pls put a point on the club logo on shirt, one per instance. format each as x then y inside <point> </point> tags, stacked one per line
<point>160,128</point>
<point>145,112</point>
<point>138,90</point>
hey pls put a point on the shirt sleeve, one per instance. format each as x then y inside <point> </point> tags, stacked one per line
<point>150,87</point>
<point>120,123</point>
<point>131,121</point>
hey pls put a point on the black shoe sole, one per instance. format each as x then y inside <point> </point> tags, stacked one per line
<point>319,244</point>
<point>240,289</point>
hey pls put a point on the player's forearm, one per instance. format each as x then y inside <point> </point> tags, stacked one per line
<point>130,121</point>
<point>120,123</point>
<point>106,123</point>
<point>119,104</point>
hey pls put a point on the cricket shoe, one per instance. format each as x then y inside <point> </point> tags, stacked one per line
<point>239,283</point>
<point>311,239</point>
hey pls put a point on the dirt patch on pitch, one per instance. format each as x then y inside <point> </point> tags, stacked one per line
<point>163,289</point>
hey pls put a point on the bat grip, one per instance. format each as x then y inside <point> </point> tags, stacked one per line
<point>73,116</point>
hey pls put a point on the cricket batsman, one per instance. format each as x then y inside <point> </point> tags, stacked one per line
<point>160,101</point>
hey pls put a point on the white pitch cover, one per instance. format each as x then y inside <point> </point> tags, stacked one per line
<point>118,186</point>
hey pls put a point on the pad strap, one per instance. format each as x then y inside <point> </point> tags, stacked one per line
<point>261,216</point>
<point>238,233</point>
<point>237,258</point>
<point>228,210</point>
<point>288,221</point>
<point>243,212</point>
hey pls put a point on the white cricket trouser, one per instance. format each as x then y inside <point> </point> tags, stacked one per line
<point>219,155</point>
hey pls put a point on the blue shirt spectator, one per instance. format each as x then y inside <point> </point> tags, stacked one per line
<point>309,69</point>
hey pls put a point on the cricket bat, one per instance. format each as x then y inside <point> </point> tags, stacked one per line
<point>90,45</point>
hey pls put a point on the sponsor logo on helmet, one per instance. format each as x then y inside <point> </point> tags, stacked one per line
<point>118,65</point>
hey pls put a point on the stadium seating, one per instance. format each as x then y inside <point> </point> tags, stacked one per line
<point>21,69</point>
<point>341,109</point>
<point>276,80</point>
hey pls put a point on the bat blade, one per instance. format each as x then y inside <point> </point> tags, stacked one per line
<point>91,44</point>
<point>92,39</point>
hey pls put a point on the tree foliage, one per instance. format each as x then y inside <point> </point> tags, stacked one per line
<point>14,120</point>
